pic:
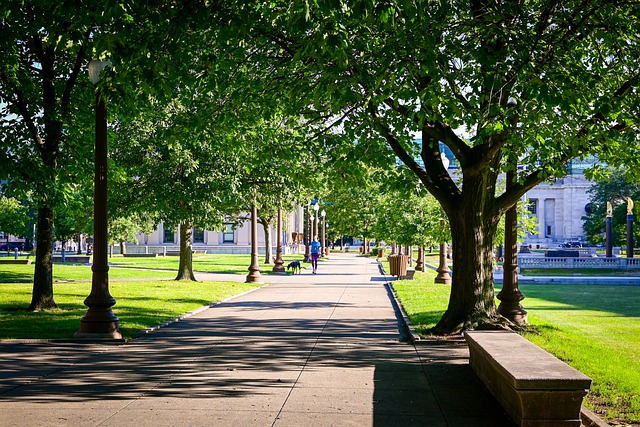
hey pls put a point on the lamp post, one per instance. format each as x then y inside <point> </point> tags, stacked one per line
<point>279,263</point>
<point>307,233</point>
<point>328,247</point>
<point>629,228</point>
<point>510,295</point>
<point>323,248</point>
<point>313,224</point>
<point>316,207</point>
<point>609,231</point>
<point>254,275</point>
<point>443,269</point>
<point>99,321</point>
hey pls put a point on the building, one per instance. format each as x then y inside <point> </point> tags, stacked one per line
<point>559,208</point>
<point>230,240</point>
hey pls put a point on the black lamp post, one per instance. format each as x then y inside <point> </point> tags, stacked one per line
<point>609,231</point>
<point>278,266</point>
<point>99,322</point>
<point>629,228</point>
<point>316,207</point>
<point>307,234</point>
<point>323,247</point>
<point>254,275</point>
<point>510,294</point>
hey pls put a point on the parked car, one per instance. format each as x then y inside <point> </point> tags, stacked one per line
<point>572,245</point>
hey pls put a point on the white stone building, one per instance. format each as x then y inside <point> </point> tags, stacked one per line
<point>230,240</point>
<point>560,206</point>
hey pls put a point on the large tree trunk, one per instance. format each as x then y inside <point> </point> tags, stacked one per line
<point>123,248</point>
<point>473,230</point>
<point>42,296</point>
<point>185,269</point>
<point>268,256</point>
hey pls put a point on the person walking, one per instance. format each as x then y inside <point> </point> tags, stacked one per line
<point>315,253</point>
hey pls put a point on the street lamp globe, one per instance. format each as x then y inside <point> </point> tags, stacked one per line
<point>323,213</point>
<point>316,206</point>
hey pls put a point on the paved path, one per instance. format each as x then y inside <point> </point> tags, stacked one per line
<point>307,350</point>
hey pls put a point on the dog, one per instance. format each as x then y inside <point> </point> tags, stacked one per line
<point>294,266</point>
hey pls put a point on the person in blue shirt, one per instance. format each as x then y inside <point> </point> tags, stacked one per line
<point>315,253</point>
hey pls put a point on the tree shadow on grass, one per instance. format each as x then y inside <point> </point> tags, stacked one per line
<point>622,300</point>
<point>15,277</point>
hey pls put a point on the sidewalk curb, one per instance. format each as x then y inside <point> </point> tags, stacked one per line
<point>590,419</point>
<point>414,337</point>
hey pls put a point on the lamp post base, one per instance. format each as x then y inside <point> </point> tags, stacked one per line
<point>510,306</point>
<point>99,324</point>
<point>254,276</point>
<point>513,312</point>
<point>99,336</point>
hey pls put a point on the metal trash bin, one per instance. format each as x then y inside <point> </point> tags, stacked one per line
<point>398,265</point>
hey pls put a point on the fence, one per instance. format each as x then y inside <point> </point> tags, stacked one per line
<point>586,262</point>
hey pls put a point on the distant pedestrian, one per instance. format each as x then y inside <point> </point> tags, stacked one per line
<point>315,253</point>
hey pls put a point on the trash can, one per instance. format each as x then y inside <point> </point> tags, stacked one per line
<point>398,265</point>
<point>380,252</point>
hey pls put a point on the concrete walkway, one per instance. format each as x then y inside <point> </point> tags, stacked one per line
<point>307,350</point>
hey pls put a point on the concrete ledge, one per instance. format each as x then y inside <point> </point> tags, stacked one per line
<point>140,255</point>
<point>535,388</point>
<point>15,261</point>
<point>411,272</point>
<point>84,259</point>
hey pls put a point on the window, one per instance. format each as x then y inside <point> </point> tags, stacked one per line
<point>168,236</point>
<point>198,236</point>
<point>533,206</point>
<point>228,234</point>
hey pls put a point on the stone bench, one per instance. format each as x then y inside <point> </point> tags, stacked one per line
<point>533,386</point>
<point>15,261</point>
<point>140,255</point>
<point>177,253</point>
<point>84,259</point>
<point>410,273</point>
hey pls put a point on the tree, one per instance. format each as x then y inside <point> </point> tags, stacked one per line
<point>45,48</point>
<point>13,216</point>
<point>282,171</point>
<point>168,170</point>
<point>498,83</point>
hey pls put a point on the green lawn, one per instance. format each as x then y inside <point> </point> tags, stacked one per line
<point>140,268</point>
<point>139,305</point>
<point>144,296</point>
<point>23,273</point>
<point>596,329</point>
<point>210,263</point>
<point>579,272</point>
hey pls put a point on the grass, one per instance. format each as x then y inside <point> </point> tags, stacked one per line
<point>579,272</point>
<point>209,263</point>
<point>139,268</point>
<point>595,329</point>
<point>19,273</point>
<point>144,296</point>
<point>139,305</point>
